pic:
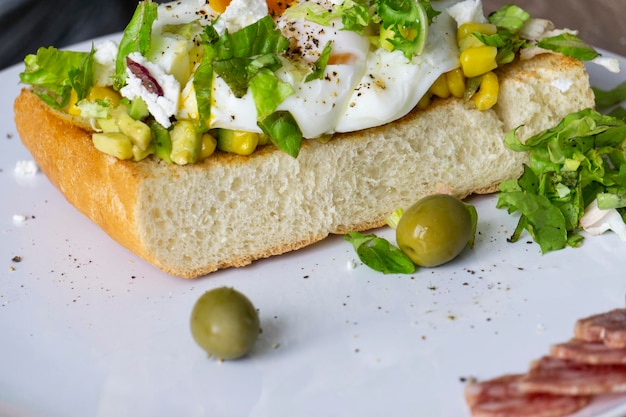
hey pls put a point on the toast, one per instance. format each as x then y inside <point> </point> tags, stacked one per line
<point>230,210</point>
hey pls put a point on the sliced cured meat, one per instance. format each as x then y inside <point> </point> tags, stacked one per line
<point>609,327</point>
<point>566,377</point>
<point>593,353</point>
<point>502,397</point>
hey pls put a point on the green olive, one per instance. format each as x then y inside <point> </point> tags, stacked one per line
<point>225,323</point>
<point>435,230</point>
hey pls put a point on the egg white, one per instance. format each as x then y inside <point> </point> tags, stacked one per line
<point>372,88</point>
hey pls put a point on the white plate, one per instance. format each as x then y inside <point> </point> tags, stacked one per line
<point>88,329</point>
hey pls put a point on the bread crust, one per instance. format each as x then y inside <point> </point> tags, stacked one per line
<point>332,187</point>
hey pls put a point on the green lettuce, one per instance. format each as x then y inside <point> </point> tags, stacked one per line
<point>136,38</point>
<point>247,61</point>
<point>380,255</point>
<point>53,73</point>
<point>581,159</point>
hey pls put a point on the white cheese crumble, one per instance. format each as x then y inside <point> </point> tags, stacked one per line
<point>352,264</point>
<point>467,11</point>
<point>161,107</point>
<point>239,14</point>
<point>19,219</point>
<point>26,168</point>
<point>104,56</point>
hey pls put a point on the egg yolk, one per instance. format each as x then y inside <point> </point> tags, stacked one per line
<point>275,7</point>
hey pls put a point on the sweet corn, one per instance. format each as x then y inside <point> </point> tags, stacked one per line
<point>456,82</point>
<point>104,93</point>
<point>96,93</point>
<point>487,95</point>
<point>71,107</point>
<point>478,61</point>
<point>237,141</point>
<point>440,87</point>
<point>209,143</point>
<point>469,28</point>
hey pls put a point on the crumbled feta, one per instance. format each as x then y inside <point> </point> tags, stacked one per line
<point>161,107</point>
<point>239,14</point>
<point>19,219</point>
<point>352,264</point>
<point>26,168</point>
<point>467,11</point>
<point>104,56</point>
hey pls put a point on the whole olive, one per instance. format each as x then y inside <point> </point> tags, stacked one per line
<point>435,229</point>
<point>225,323</point>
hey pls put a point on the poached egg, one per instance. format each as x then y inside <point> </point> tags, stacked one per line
<point>362,85</point>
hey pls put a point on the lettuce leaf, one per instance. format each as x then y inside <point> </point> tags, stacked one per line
<point>569,45</point>
<point>52,74</point>
<point>581,159</point>
<point>136,37</point>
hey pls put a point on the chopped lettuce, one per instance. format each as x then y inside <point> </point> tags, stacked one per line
<point>136,38</point>
<point>247,60</point>
<point>320,65</point>
<point>580,160</point>
<point>53,73</point>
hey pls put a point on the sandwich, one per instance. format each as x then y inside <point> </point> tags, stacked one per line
<point>211,135</point>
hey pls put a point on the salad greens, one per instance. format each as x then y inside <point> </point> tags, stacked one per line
<point>53,74</point>
<point>404,22</point>
<point>136,38</point>
<point>510,20</point>
<point>580,160</point>
<point>380,255</point>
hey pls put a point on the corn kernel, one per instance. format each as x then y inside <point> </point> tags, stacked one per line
<point>478,61</point>
<point>71,107</point>
<point>104,93</point>
<point>209,143</point>
<point>440,87</point>
<point>469,28</point>
<point>456,82</point>
<point>237,141</point>
<point>487,95</point>
<point>470,42</point>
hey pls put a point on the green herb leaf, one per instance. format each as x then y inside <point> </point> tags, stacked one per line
<point>81,78</point>
<point>203,86</point>
<point>283,131</point>
<point>509,17</point>
<point>569,45</point>
<point>320,65</point>
<point>136,37</point>
<point>379,254</point>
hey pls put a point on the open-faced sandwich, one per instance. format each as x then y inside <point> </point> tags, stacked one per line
<point>210,135</point>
